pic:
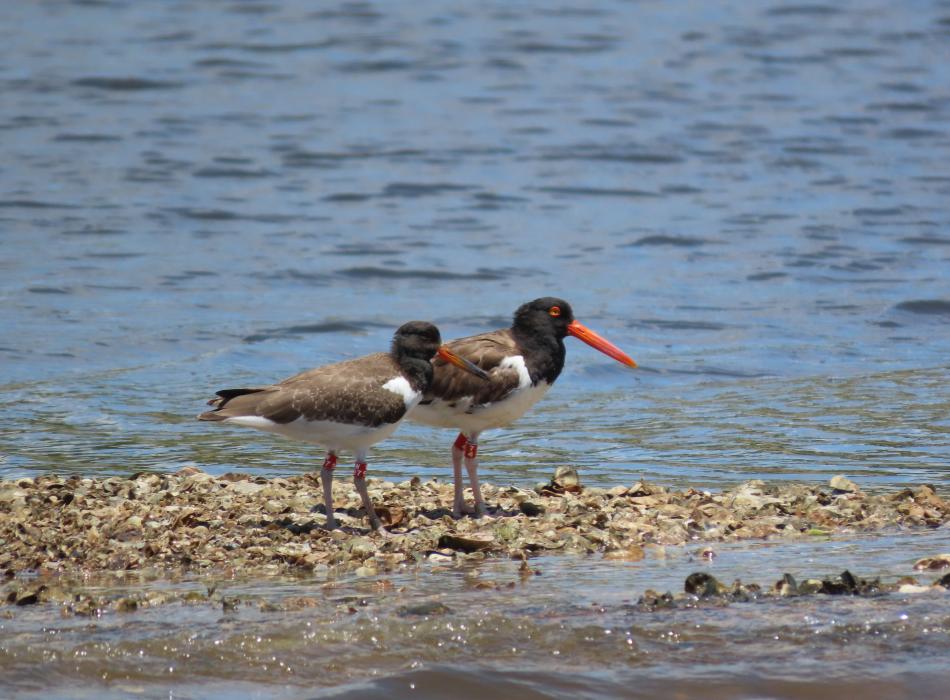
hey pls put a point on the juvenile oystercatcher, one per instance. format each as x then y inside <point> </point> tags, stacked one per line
<point>522,363</point>
<point>344,406</point>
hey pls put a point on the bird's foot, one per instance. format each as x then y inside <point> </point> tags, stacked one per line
<point>460,510</point>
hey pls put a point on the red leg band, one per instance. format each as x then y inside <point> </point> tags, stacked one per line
<point>471,449</point>
<point>330,462</point>
<point>359,472</point>
<point>460,442</point>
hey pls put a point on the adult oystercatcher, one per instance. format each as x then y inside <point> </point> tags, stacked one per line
<point>522,363</point>
<point>344,406</point>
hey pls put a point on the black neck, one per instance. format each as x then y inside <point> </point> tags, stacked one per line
<point>417,370</point>
<point>543,353</point>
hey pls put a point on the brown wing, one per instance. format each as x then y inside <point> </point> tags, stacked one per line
<point>345,392</point>
<point>488,351</point>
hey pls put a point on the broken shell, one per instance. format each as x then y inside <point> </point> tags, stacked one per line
<point>935,563</point>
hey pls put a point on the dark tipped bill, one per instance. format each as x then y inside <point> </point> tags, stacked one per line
<point>461,362</point>
<point>600,343</point>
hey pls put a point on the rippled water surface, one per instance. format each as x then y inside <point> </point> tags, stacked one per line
<point>752,199</point>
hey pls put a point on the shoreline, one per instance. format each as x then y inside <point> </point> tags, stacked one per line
<point>191,521</point>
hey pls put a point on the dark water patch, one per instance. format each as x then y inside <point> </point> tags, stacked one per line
<point>619,154</point>
<point>498,199</point>
<point>855,52</point>
<point>823,147</point>
<point>756,219</point>
<point>901,107</point>
<point>877,212</point>
<point>940,307</point>
<point>594,192</point>
<point>93,231</point>
<point>710,371</point>
<point>113,287</point>
<point>665,240</point>
<point>345,197</point>
<point>49,290</point>
<point>33,204</point>
<point>926,240</point>
<point>128,84</point>
<point>298,158</point>
<point>187,275</point>
<point>912,134</point>
<point>314,278</point>
<point>391,65</point>
<point>609,123</point>
<point>886,324</point>
<point>171,37</point>
<point>805,10</point>
<point>680,189</point>
<point>238,173</point>
<point>678,325</point>
<point>480,273</point>
<point>412,190</point>
<point>225,215</point>
<point>86,138</point>
<point>804,59</point>
<point>363,249</point>
<point>310,329</point>
<point>114,256</point>
<point>231,63</point>
<point>851,120</point>
<point>584,45</point>
<point>275,48</point>
<point>764,276</point>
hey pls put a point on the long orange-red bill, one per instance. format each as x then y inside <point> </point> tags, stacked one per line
<point>599,342</point>
<point>461,362</point>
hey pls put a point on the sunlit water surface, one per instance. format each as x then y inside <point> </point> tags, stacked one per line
<point>752,199</point>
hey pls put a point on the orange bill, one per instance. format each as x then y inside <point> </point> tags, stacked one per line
<point>461,362</point>
<point>599,342</point>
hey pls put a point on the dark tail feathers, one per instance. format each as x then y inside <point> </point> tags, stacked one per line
<point>224,396</point>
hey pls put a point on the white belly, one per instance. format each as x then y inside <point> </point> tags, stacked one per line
<point>464,417</point>
<point>333,436</point>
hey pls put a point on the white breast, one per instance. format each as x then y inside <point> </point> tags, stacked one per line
<point>400,385</point>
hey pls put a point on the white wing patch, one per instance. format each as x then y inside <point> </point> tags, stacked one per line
<point>516,362</point>
<point>401,386</point>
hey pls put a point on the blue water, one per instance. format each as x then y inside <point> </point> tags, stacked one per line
<point>752,199</point>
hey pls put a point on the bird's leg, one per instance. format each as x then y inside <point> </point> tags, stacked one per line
<point>471,466</point>
<point>458,503</point>
<point>326,477</point>
<point>359,481</point>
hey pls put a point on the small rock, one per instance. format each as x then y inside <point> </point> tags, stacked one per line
<point>703,585</point>
<point>424,609</point>
<point>843,485</point>
<point>531,509</point>
<point>475,543</point>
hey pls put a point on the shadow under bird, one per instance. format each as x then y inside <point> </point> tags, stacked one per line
<point>522,363</point>
<point>349,405</point>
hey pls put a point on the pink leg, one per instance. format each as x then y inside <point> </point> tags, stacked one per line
<point>471,466</point>
<point>458,503</point>
<point>326,477</point>
<point>359,481</point>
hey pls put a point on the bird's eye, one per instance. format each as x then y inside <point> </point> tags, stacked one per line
<point>555,311</point>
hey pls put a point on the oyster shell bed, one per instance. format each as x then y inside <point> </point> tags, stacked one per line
<point>190,521</point>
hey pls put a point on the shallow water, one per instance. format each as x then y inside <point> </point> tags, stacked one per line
<point>570,630</point>
<point>750,198</point>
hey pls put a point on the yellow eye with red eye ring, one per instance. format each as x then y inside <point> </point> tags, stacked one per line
<point>555,311</point>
